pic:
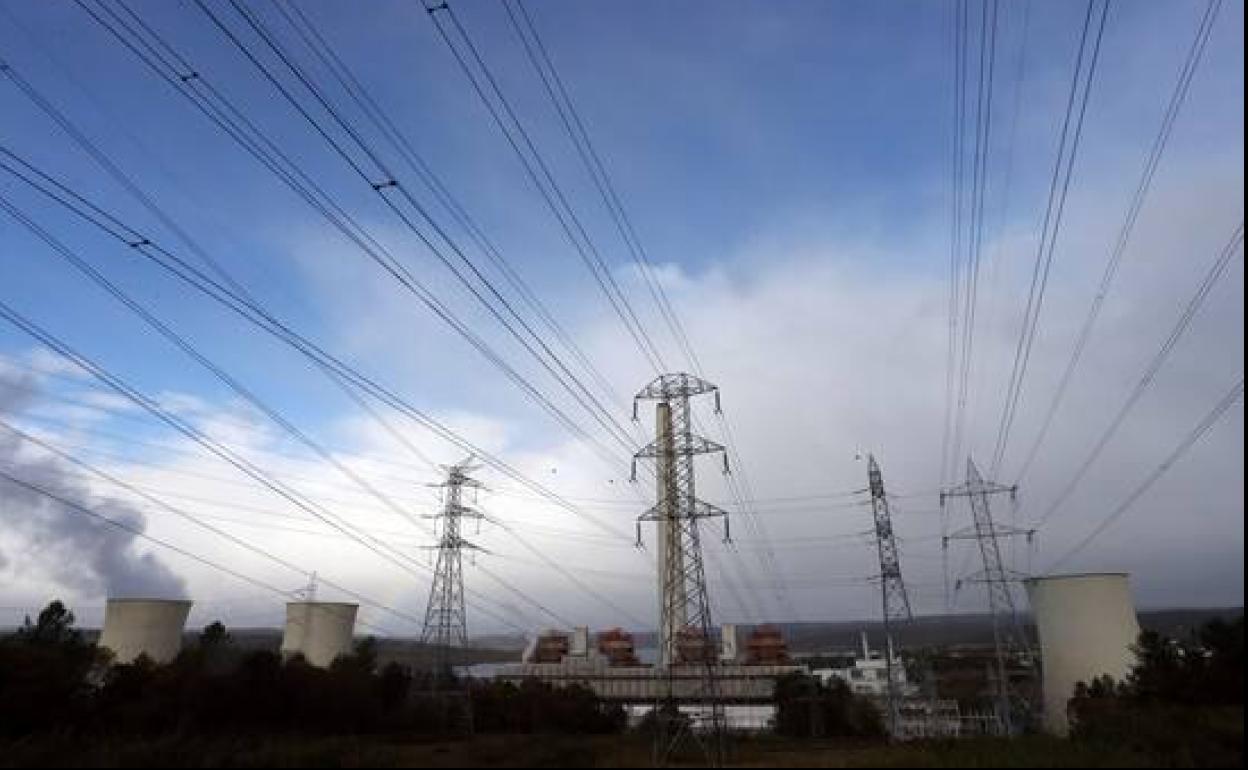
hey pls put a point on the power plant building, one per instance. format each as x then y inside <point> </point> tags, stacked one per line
<point>1087,625</point>
<point>319,631</point>
<point>612,670</point>
<point>150,627</point>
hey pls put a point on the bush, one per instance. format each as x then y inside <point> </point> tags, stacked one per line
<point>51,680</point>
<point>806,708</point>
<point>538,707</point>
<point>1182,703</point>
<point>44,670</point>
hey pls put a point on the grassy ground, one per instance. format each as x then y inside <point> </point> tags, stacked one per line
<point>541,751</point>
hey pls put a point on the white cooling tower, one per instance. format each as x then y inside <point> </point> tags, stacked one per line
<point>151,627</point>
<point>579,647</point>
<point>729,643</point>
<point>320,631</point>
<point>1086,625</point>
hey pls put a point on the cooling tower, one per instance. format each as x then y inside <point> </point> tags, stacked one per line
<point>1086,625</point>
<point>729,643</point>
<point>151,627</point>
<point>320,631</point>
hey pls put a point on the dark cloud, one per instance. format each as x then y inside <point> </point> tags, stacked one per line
<point>76,551</point>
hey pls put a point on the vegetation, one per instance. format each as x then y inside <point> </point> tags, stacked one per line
<point>807,708</point>
<point>52,681</point>
<point>1182,703</point>
<point>221,704</point>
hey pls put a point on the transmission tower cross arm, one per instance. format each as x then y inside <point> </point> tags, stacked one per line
<point>1006,575</point>
<point>685,444</point>
<point>1001,530</point>
<point>666,387</point>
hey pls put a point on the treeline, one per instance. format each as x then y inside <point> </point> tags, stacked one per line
<point>1183,701</point>
<point>808,708</point>
<point>52,680</point>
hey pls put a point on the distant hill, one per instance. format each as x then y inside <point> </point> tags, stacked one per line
<point>843,636</point>
<point>947,630</point>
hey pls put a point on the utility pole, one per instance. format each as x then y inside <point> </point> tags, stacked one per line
<point>896,602</point>
<point>446,621</point>
<point>1008,637</point>
<point>686,643</point>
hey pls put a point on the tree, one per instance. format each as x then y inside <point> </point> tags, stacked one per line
<point>1181,705</point>
<point>806,708</point>
<point>55,626</point>
<point>44,673</point>
<point>214,636</point>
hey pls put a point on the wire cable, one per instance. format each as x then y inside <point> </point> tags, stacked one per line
<point>1059,187</point>
<point>1152,161</point>
<point>1207,284</point>
<point>1212,418</point>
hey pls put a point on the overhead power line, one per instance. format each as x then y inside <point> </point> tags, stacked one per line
<point>399,142</point>
<point>300,501</point>
<point>986,72</point>
<point>538,171</point>
<point>1202,427</point>
<point>570,118</point>
<point>198,521</point>
<point>1211,278</point>
<point>82,510</point>
<point>1080,94</point>
<point>242,391</point>
<point>190,275</point>
<point>573,579</point>
<point>1152,160</point>
<point>389,181</point>
<point>197,88</point>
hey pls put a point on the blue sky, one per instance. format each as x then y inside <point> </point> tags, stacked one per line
<point>787,166</point>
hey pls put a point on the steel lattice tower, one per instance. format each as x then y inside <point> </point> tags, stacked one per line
<point>896,602</point>
<point>1009,639</point>
<point>685,627</point>
<point>446,621</point>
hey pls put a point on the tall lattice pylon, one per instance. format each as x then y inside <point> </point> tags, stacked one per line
<point>688,654</point>
<point>896,602</point>
<point>446,621</point>
<point>1009,639</point>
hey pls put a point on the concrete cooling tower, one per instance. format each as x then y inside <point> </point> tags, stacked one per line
<point>320,631</point>
<point>1086,625</point>
<point>151,627</point>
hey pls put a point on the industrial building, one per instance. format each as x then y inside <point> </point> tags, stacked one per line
<point>1087,625</point>
<point>150,627</point>
<point>319,631</point>
<point>919,716</point>
<point>867,674</point>
<point>611,668</point>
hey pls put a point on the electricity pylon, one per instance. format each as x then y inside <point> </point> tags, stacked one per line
<point>685,628</point>
<point>446,621</point>
<point>896,602</point>
<point>1008,638</point>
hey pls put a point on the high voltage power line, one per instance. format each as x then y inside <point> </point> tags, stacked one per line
<point>194,86</point>
<point>1204,426</point>
<point>1218,269</point>
<point>986,73</point>
<point>241,390</point>
<point>259,318</point>
<point>1059,188</point>
<point>575,127</point>
<point>158,54</point>
<point>198,521</point>
<point>132,243</point>
<point>373,544</point>
<point>82,510</point>
<point>1152,160</point>
<point>390,181</point>
<point>360,95</point>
